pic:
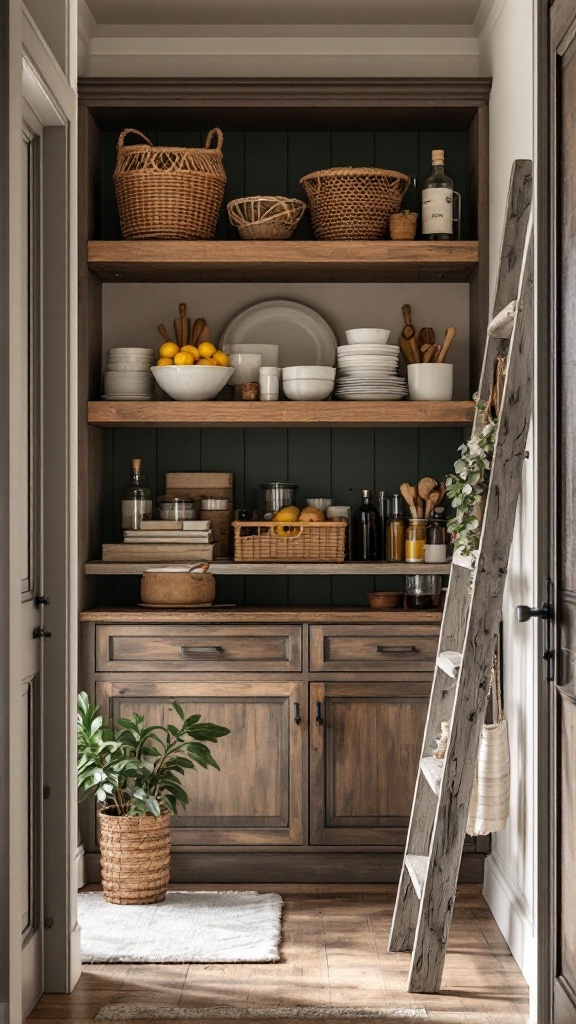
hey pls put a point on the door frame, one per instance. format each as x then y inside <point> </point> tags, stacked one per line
<point>29,72</point>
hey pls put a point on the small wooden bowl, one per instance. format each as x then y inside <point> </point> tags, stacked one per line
<point>383,599</point>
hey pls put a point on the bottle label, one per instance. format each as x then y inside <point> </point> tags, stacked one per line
<point>134,511</point>
<point>437,211</point>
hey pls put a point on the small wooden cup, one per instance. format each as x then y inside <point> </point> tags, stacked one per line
<point>403,226</point>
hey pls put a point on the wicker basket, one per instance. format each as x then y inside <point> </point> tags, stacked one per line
<point>135,857</point>
<point>169,191</point>
<point>266,217</point>
<point>403,226</point>
<point>289,542</point>
<point>353,202</point>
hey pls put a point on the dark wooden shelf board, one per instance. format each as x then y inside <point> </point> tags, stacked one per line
<point>283,261</point>
<point>245,613</point>
<point>280,414</point>
<point>228,568</point>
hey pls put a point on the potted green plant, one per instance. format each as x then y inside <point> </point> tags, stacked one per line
<point>135,772</point>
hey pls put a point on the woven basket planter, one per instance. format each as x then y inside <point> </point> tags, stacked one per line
<point>135,857</point>
<point>353,202</point>
<point>403,226</point>
<point>169,191</point>
<point>265,217</point>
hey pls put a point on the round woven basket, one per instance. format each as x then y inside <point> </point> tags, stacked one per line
<point>353,202</point>
<point>265,217</point>
<point>403,226</point>
<point>135,857</point>
<point>169,191</point>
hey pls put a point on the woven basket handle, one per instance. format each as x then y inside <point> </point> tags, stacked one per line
<point>132,131</point>
<point>219,136</point>
<point>202,567</point>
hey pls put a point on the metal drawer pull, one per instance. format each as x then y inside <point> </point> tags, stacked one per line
<point>191,651</point>
<point>319,718</point>
<point>297,718</point>
<point>396,650</point>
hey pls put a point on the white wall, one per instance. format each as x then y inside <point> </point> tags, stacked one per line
<point>510,869</point>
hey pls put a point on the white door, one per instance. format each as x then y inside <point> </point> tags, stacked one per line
<point>32,596</point>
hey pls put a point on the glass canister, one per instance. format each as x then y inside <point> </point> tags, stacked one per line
<point>421,592</point>
<point>436,537</point>
<point>415,541</point>
<point>176,508</point>
<point>274,496</point>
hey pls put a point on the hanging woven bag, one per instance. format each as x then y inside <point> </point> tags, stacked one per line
<point>490,802</point>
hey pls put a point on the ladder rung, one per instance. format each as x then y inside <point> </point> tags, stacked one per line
<point>417,867</point>
<point>449,662</point>
<point>464,561</point>
<point>432,769</point>
<point>503,323</point>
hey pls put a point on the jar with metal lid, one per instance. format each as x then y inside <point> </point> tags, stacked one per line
<point>415,541</point>
<point>421,592</point>
<point>176,508</point>
<point>436,537</point>
<point>274,496</point>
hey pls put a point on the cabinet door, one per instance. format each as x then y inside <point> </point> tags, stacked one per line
<point>256,797</point>
<point>365,741</point>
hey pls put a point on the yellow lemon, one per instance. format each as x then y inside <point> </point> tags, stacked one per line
<point>192,350</point>
<point>221,359</point>
<point>165,362</point>
<point>288,514</point>
<point>206,349</point>
<point>183,359</point>
<point>204,362</point>
<point>168,350</point>
<point>310,514</point>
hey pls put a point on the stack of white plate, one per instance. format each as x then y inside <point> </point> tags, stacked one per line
<point>368,372</point>
<point>127,376</point>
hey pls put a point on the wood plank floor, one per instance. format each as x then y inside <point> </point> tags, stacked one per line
<point>334,952</point>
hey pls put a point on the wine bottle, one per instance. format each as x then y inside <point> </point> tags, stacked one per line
<point>438,202</point>
<point>365,531</point>
<point>136,499</point>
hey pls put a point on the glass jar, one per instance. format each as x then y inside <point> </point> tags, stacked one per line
<point>436,538</point>
<point>395,531</point>
<point>274,496</point>
<point>176,508</point>
<point>421,592</point>
<point>415,541</point>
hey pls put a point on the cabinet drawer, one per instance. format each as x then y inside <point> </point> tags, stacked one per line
<point>373,648</point>
<point>188,648</point>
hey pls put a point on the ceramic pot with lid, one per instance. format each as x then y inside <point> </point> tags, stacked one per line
<point>178,585</point>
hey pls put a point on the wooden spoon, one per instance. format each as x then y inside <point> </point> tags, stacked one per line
<point>406,350</point>
<point>164,333</point>
<point>448,339</point>
<point>426,485</point>
<point>410,495</point>
<point>197,329</point>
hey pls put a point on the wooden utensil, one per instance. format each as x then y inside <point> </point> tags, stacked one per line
<point>164,333</point>
<point>408,331</point>
<point>406,350</point>
<point>430,354</point>
<point>205,335</point>
<point>448,339</point>
<point>426,485</point>
<point>410,495</point>
<point>197,329</point>
<point>426,336</point>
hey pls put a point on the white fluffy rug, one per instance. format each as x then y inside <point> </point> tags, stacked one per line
<point>187,928</point>
<point>125,1011</point>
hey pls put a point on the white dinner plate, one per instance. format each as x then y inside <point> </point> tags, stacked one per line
<point>303,336</point>
<point>369,397</point>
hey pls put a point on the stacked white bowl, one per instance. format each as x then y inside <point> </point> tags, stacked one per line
<point>367,368</point>
<point>308,383</point>
<point>127,376</point>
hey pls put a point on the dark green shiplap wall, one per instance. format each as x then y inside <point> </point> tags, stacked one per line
<point>336,463</point>
<point>272,163</point>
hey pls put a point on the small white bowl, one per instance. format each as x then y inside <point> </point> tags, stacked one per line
<point>192,383</point>
<point>246,367</point>
<point>372,335</point>
<point>309,373</point>
<point>269,353</point>
<point>430,382</point>
<point>310,390</point>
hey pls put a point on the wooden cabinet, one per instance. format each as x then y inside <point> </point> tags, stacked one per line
<point>384,648</point>
<point>257,797</point>
<point>365,740</point>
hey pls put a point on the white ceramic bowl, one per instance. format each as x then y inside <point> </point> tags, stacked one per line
<point>430,382</point>
<point>310,390</point>
<point>130,353</point>
<point>118,367</point>
<point>269,353</point>
<point>309,373</point>
<point>370,335</point>
<point>192,383</point>
<point>246,367</point>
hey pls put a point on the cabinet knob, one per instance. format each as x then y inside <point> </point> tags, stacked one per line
<point>41,634</point>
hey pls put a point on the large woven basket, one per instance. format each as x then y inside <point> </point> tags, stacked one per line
<point>135,857</point>
<point>353,202</point>
<point>265,217</point>
<point>289,542</point>
<point>169,191</point>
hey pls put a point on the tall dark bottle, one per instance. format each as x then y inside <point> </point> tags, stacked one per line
<point>365,531</point>
<point>438,202</point>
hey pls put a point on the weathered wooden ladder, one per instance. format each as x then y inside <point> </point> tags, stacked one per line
<point>427,888</point>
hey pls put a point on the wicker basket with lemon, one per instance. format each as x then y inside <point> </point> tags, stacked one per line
<point>291,536</point>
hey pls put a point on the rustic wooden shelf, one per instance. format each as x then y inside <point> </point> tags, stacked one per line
<point>283,261</point>
<point>245,613</point>
<point>280,414</point>
<point>227,568</point>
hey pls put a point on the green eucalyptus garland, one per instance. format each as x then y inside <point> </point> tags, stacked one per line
<point>467,485</point>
